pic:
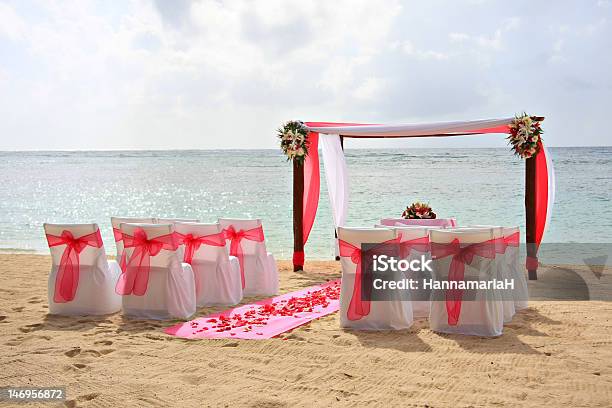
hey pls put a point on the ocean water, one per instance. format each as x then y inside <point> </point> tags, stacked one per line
<point>477,186</point>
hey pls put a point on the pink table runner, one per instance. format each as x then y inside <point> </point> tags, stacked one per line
<point>266,318</point>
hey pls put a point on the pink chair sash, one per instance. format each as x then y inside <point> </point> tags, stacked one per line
<point>462,255</point>
<point>119,237</point>
<point>418,244</point>
<point>358,307</point>
<point>513,240</point>
<point>117,234</point>
<point>194,242</point>
<point>67,279</point>
<point>235,237</point>
<point>134,278</point>
<point>502,243</point>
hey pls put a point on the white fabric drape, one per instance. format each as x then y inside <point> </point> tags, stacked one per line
<point>337,179</point>
<point>336,176</point>
<point>424,129</point>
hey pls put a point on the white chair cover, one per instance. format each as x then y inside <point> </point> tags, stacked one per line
<point>515,269</point>
<point>95,294</point>
<point>383,315</point>
<point>436,222</point>
<point>116,223</point>
<point>171,287</point>
<point>407,233</point>
<point>502,270</point>
<point>481,316</point>
<point>260,270</point>
<point>174,221</point>
<point>420,306</point>
<point>217,275</point>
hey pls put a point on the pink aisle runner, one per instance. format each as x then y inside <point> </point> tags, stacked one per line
<point>266,318</point>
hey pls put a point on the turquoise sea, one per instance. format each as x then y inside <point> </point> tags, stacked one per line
<point>483,186</point>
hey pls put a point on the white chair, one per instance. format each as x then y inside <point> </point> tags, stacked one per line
<point>477,312</point>
<point>502,270</point>
<point>116,223</point>
<point>258,267</point>
<point>82,280</point>
<point>414,243</point>
<point>355,312</point>
<point>155,284</point>
<point>174,221</point>
<point>436,222</point>
<point>217,275</point>
<point>515,270</point>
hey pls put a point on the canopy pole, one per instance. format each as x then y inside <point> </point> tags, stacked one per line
<point>298,215</point>
<point>530,217</point>
<point>335,232</point>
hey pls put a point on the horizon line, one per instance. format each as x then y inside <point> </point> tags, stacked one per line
<point>254,148</point>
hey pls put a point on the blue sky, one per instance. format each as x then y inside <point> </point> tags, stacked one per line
<point>212,74</point>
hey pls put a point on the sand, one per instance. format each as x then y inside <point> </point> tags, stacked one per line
<point>555,353</point>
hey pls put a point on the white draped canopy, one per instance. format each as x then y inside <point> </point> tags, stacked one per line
<point>539,186</point>
<point>335,163</point>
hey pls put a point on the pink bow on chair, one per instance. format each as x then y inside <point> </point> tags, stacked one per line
<point>193,243</point>
<point>134,278</point>
<point>119,237</point>
<point>462,255</point>
<point>512,240</point>
<point>358,307</point>
<point>67,279</point>
<point>255,234</point>
<point>418,244</point>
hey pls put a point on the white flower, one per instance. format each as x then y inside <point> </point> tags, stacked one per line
<point>300,151</point>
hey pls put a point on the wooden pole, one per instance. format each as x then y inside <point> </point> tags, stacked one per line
<point>298,213</point>
<point>336,233</point>
<point>530,215</point>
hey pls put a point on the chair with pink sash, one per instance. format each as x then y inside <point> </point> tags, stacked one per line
<point>465,256</point>
<point>174,221</point>
<point>514,268</point>
<point>155,284</point>
<point>82,280</point>
<point>217,275</point>
<point>414,245</point>
<point>116,223</point>
<point>502,270</point>
<point>357,311</point>
<point>436,222</point>
<point>259,274</point>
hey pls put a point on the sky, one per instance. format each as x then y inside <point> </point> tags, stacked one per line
<point>80,75</point>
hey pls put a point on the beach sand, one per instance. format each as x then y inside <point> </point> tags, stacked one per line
<point>553,353</point>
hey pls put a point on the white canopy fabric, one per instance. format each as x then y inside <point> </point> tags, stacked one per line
<point>330,135</point>
<point>412,130</point>
<point>335,163</point>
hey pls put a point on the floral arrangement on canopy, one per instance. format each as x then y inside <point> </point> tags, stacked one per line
<point>525,134</point>
<point>418,210</point>
<point>294,141</point>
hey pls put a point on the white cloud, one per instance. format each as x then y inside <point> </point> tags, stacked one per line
<point>370,90</point>
<point>11,25</point>
<point>83,74</point>
<point>458,37</point>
